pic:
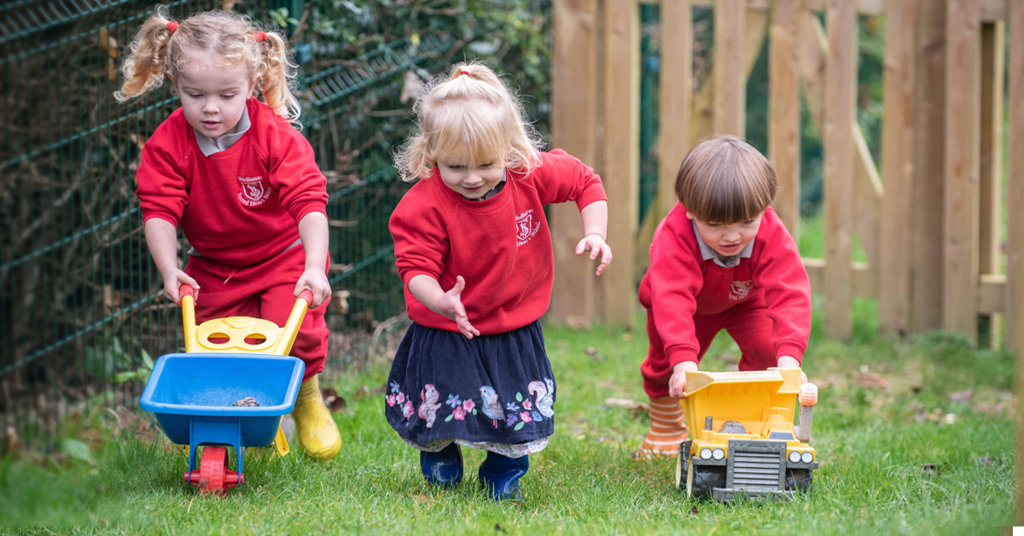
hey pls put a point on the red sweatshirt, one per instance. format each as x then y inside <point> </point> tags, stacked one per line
<point>680,284</point>
<point>501,245</point>
<point>239,206</point>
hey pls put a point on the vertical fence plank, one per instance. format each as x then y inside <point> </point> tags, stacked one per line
<point>784,106</point>
<point>993,50</point>
<point>867,189</point>
<point>928,187</point>
<point>897,168</point>
<point>621,132</point>
<point>840,83</point>
<point>675,91</point>
<point>730,82</point>
<point>1015,195</point>
<point>960,250</point>
<point>701,113</point>
<point>1014,223</point>
<point>573,128</point>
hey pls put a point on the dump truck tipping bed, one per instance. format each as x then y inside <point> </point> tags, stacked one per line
<point>739,396</point>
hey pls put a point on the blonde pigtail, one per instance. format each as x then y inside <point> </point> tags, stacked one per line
<point>277,77</point>
<point>411,160</point>
<point>145,66</point>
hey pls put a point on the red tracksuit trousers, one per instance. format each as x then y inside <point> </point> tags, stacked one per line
<point>264,291</point>
<point>748,324</point>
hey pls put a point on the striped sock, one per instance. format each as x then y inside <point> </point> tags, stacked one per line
<point>668,429</point>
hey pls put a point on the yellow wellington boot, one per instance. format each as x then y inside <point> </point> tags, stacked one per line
<point>317,431</point>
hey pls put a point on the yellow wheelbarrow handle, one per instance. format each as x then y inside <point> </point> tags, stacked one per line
<point>282,346</point>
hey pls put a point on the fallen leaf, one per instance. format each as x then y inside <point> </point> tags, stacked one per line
<point>366,391</point>
<point>963,397</point>
<point>870,380</point>
<point>77,450</point>
<point>625,403</point>
<point>578,323</point>
<point>412,87</point>
<point>333,400</point>
<point>339,303</point>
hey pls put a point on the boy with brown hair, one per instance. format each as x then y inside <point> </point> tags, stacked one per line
<point>721,259</point>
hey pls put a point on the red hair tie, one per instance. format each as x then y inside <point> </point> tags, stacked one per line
<point>171,26</point>
<point>261,36</point>
<point>465,72</point>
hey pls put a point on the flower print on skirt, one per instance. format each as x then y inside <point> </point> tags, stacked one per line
<point>495,392</point>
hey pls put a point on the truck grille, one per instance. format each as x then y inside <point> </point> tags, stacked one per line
<point>756,465</point>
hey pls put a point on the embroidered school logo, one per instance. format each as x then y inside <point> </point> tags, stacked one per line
<point>253,192</point>
<point>525,227</point>
<point>740,289</point>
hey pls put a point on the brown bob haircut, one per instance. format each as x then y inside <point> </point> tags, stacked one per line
<point>725,180</point>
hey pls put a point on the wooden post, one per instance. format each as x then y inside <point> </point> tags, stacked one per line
<point>928,187</point>
<point>620,171</point>
<point>701,112</point>
<point>675,93</point>
<point>1015,221</point>
<point>840,85</point>
<point>993,50</point>
<point>573,128</point>
<point>730,84</point>
<point>784,115</point>
<point>960,252</point>
<point>867,189</point>
<point>897,168</point>
<point>1015,198</point>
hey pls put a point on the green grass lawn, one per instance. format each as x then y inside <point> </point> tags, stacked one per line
<point>912,438</point>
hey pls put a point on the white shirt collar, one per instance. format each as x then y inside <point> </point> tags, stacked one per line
<point>210,146</point>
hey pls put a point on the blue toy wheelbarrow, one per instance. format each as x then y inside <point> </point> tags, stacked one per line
<point>230,389</point>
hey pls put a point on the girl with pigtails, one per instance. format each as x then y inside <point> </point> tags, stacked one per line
<point>234,173</point>
<point>473,247</point>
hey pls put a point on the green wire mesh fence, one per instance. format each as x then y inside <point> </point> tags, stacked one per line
<point>80,313</point>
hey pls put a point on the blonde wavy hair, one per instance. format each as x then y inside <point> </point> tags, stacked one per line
<point>160,50</point>
<point>469,117</point>
<point>725,180</point>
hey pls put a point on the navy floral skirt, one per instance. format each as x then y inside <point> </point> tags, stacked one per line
<point>495,392</point>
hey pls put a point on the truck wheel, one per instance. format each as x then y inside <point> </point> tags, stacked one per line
<point>799,480</point>
<point>682,465</point>
<point>701,480</point>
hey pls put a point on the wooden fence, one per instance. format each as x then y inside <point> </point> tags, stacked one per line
<point>929,218</point>
<point>932,231</point>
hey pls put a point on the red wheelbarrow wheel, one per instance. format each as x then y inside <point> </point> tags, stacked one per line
<point>213,477</point>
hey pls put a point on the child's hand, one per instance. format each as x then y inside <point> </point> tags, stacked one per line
<point>787,361</point>
<point>173,281</point>
<point>597,246</point>
<point>316,281</point>
<point>677,383</point>
<point>451,306</point>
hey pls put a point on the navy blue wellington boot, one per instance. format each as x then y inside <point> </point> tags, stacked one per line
<point>500,476</point>
<point>442,468</point>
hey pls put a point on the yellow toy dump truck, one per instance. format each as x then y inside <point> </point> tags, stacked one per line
<point>744,442</point>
